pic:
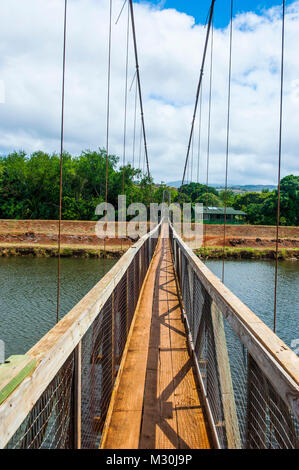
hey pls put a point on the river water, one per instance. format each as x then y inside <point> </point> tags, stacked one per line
<point>253,282</point>
<point>28,294</point>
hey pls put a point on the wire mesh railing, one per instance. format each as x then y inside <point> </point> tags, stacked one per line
<point>64,402</point>
<point>249,377</point>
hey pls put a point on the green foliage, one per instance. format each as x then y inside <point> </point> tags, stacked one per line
<point>29,185</point>
<point>29,189</point>
<point>261,208</point>
<point>195,190</point>
<point>230,197</point>
<point>209,199</point>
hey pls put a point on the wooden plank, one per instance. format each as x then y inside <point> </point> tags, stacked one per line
<point>122,435</point>
<point>151,396</point>
<point>159,425</point>
<point>167,426</point>
<point>127,400</point>
<point>168,415</point>
<point>192,427</point>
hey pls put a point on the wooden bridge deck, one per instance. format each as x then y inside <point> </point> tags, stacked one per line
<point>155,403</point>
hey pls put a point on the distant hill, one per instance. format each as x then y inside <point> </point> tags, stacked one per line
<point>174,184</point>
<point>234,187</point>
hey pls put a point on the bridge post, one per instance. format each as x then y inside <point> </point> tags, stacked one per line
<point>107,360</point>
<point>149,251</point>
<point>256,429</point>
<point>112,339</point>
<point>225,378</point>
<point>77,396</point>
<point>127,303</point>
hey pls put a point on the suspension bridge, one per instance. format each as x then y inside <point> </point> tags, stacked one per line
<point>159,354</point>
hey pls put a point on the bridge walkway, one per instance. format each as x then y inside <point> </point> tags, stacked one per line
<point>155,403</point>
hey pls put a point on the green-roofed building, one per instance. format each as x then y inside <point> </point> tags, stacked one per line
<point>215,215</point>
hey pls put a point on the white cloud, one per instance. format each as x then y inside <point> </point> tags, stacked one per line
<point>2,92</point>
<point>170,50</point>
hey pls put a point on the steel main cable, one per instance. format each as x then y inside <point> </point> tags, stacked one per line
<point>227,133</point>
<point>199,86</point>
<point>140,145</point>
<point>209,131</point>
<point>279,163</point>
<point>61,160</point>
<point>134,132</point>
<point>139,86</point>
<point>192,166</point>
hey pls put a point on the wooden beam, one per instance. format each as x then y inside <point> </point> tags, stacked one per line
<point>77,396</point>
<point>225,378</point>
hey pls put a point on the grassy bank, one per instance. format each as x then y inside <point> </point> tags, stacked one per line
<point>52,252</point>
<point>116,252</point>
<point>246,253</point>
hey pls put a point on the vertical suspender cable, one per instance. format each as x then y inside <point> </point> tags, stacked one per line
<point>61,161</point>
<point>209,132</point>
<point>279,162</point>
<point>123,6</point>
<point>126,102</point>
<point>107,123</point>
<point>199,135</point>
<point>227,133</point>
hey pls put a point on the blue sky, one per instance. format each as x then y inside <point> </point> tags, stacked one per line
<point>199,8</point>
<point>170,53</point>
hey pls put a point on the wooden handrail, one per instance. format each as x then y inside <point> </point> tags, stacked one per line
<point>54,348</point>
<point>277,361</point>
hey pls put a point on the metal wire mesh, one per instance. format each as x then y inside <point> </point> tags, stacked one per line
<point>246,408</point>
<point>270,423</point>
<point>51,423</point>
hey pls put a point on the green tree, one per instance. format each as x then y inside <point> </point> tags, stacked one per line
<point>230,197</point>
<point>29,188</point>
<point>209,199</point>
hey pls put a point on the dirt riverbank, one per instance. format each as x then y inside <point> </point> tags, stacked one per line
<point>78,238</point>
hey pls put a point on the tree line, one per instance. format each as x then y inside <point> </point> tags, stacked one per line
<point>29,189</point>
<point>260,207</point>
<point>29,185</point>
